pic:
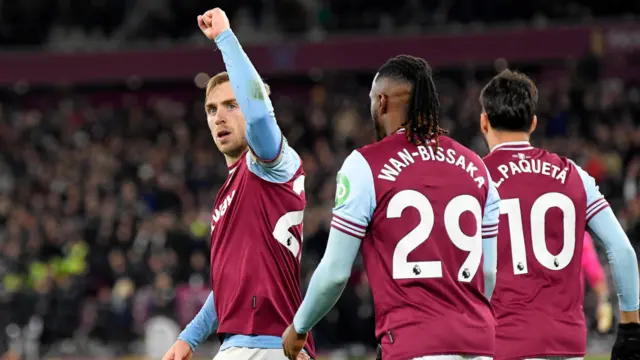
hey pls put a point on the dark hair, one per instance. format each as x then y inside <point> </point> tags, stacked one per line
<point>422,121</point>
<point>510,101</point>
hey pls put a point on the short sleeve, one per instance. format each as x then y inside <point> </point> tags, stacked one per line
<point>279,171</point>
<point>491,211</point>
<point>355,196</point>
<point>595,200</point>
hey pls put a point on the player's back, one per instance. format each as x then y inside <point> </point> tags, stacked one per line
<point>423,249</point>
<point>538,294</point>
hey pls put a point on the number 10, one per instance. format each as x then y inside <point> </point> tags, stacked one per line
<point>511,207</point>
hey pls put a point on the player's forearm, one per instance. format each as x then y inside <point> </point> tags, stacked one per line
<point>622,257</point>
<point>324,291</point>
<point>490,252</point>
<point>205,323</point>
<point>328,281</point>
<point>263,134</point>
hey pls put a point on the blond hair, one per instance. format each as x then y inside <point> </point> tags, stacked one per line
<point>221,78</point>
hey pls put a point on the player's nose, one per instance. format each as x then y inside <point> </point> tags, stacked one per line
<point>220,119</point>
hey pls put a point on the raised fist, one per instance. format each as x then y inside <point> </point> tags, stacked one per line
<point>213,23</point>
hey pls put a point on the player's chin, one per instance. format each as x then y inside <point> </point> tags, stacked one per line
<point>230,148</point>
<point>225,144</point>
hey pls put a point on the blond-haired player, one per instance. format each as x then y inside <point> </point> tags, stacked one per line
<point>256,226</point>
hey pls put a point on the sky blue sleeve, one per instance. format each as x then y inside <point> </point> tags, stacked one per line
<point>203,325</point>
<point>328,281</point>
<point>263,134</point>
<point>490,253</point>
<point>607,230</point>
<point>622,257</point>
<point>490,221</point>
<point>279,171</point>
<point>491,215</point>
<point>355,196</point>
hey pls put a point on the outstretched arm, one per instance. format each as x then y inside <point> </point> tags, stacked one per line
<point>263,134</point>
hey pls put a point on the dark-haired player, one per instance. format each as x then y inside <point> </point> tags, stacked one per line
<point>256,226</point>
<point>547,202</point>
<point>420,205</point>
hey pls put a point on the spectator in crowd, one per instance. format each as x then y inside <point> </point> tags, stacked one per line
<point>82,25</point>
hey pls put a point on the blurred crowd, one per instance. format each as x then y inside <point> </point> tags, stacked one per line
<point>97,24</point>
<point>106,194</point>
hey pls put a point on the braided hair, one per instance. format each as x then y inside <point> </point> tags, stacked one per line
<point>423,115</point>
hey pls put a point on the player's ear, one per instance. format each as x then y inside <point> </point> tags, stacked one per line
<point>534,124</point>
<point>383,106</point>
<point>484,123</point>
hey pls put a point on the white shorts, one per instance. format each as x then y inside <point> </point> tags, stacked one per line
<point>453,357</point>
<point>242,353</point>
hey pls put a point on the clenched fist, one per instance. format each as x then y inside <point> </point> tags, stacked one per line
<point>179,351</point>
<point>213,23</point>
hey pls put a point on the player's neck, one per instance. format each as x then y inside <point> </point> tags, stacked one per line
<point>501,137</point>
<point>231,160</point>
<point>392,126</point>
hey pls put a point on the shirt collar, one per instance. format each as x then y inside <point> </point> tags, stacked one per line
<point>513,146</point>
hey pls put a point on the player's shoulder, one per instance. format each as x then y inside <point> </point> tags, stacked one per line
<point>447,142</point>
<point>491,158</point>
<point>450,142</point>
<point>379,147</point>
<point>460,150</point>
<point>475,166</point>
<point>355,164</point>
<point>555,158</point>
<point>286,167</point>
<point>569,167</point>
<point>578,173</point>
